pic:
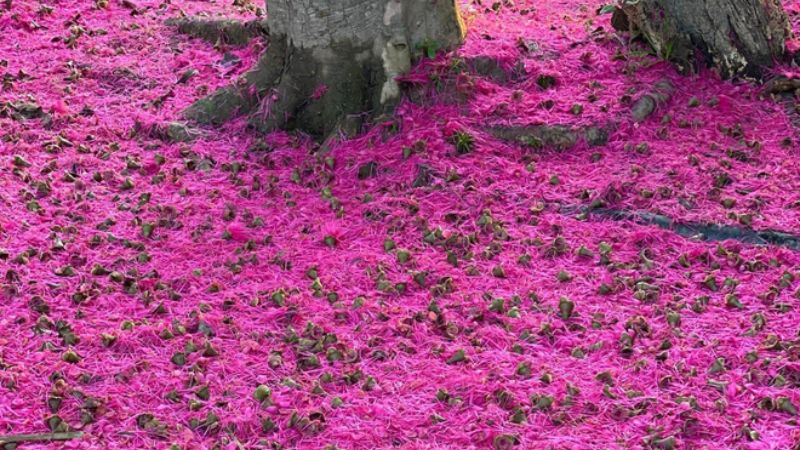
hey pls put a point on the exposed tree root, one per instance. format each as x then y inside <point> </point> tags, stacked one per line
<point>785,91</point>
<point>241,98</point>
<point>647,104</point>
<point>43,437</point>
<point>348,127</point>
<point>700,231</point>
<point>564,137</point>
<point>492,68</point>
<point>168,132</point>
<point>782,85</point>
<point>221,31</point>
<point>560,137</point>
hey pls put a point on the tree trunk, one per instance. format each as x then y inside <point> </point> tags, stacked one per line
<point>328,59</point>
<point>738,37</point>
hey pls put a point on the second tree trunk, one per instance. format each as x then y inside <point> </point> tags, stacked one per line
<point>738,37</point>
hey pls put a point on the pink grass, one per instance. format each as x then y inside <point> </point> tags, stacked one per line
<point>215,275</point>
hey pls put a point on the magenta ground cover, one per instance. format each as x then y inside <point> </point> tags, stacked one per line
<point>424,285</point>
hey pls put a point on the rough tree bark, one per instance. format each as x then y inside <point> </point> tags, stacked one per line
<point>738,37</point>
<point>328,59</point>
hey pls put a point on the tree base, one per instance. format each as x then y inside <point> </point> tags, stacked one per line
<point>294,88</point>
<point>234,100</point>
<point>316,89</point>
<point>330,60</point>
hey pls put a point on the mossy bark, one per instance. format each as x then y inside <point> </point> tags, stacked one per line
<point>328,59</point>
<point>738,37</point>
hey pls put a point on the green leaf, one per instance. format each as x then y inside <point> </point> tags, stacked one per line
<point>431,51</point>
<point>606,9</point>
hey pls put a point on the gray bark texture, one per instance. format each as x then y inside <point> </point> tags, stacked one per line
<point>738,37</point>
<point>330,59</point>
